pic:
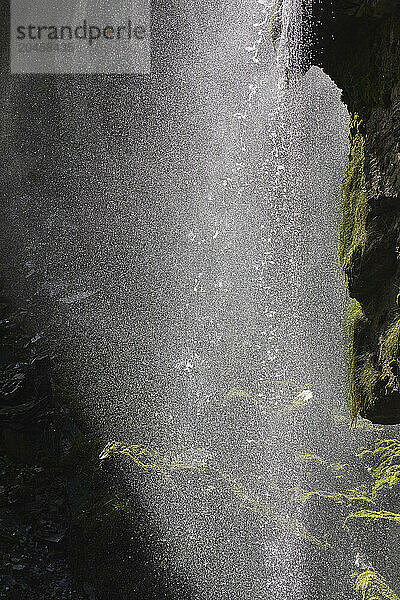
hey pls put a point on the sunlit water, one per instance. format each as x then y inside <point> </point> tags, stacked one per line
<point>183,242</point>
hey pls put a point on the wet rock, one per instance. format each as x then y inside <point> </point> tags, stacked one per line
<point>33,509</point>
<point>357,44</point>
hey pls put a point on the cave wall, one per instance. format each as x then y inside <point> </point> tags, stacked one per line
<point>357,44</point>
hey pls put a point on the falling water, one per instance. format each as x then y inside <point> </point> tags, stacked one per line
<point>180,258</point>
<point>294,43</point>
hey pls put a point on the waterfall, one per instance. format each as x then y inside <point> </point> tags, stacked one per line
<point>183,243</point>
<point>293,49</point>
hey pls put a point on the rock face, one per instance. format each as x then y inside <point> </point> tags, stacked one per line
<point>357,43</point>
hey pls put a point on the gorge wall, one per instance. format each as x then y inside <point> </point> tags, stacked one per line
<point>357,44</point>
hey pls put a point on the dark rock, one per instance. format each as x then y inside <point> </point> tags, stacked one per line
<point>357,43</point>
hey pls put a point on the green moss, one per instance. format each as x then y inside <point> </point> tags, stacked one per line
<point>356,495</point>
<point>355,208</point>
<point>312,458</point>
<point>119,504</point>
<point>387,473</point>
<point>373,515</point>
<point>391,345</point>
<point>166,465</point>
<point>252,502</point>
<point>275,24</point>
<point>365,377</point>
<point>362,373</point>
<point>372,586</point>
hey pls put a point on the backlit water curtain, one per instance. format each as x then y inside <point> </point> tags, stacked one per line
<point>178,254</point>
